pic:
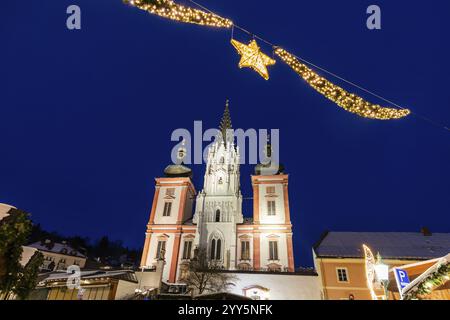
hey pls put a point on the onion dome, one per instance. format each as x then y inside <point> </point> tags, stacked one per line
<point>177,170</point>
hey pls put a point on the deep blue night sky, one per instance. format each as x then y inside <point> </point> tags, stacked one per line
<point>86,116</point>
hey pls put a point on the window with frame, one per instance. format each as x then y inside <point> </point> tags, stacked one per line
<point>342,274</point>
<point>273,250</point>
<point>271,208</point>
<point>217,218</point>
<point>160,249</point>
<point>170,192</point>
<point>245,250</point>
<point>270,190</point>
<point>215,252</point>
<point>187,249</point>
<point>167,209</point>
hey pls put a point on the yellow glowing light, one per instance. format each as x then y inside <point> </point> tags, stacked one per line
<point>348,101</point>
<point>171,10</point>
<point>370,270</point>
<point>252,57</point>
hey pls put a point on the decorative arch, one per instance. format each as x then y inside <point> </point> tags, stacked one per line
<point>274,267</point>
<point>244,266</point>
<point>256,292</point>
<point>216,245</point>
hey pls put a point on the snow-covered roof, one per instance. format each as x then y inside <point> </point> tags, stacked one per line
<point>4,208</point>
<point>27,253</point>
<point>60,248</point>
<point>123,274</point>
<point>390,245</point>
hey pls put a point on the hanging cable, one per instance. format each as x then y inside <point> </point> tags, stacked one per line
<point>424,118</point>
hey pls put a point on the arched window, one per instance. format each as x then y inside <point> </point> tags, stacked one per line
<point>217,215</point>
<point>213,249</point>
<point>219,244</point>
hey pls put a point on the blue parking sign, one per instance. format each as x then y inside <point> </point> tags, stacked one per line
<point>402,278</point>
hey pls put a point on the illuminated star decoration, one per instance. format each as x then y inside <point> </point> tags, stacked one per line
<point>252,57</point>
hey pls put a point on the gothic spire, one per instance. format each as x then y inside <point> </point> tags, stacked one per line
<point>225,123</point>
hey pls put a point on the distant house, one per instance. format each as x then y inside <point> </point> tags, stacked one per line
<point>96,284</point>
<point>339,257</point>
<point>100,285</point>
<point>58,256</point>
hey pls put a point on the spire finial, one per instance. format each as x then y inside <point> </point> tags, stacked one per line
<point>225,123</point>
<point>181,152</point>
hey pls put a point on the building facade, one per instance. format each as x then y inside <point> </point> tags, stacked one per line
<point>339,259</point>
<point>58,256</point>
<point>183,220</point>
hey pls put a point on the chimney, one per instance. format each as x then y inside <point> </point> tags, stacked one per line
<point>425,231</point>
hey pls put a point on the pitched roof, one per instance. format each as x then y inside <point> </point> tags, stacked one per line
<point>93,274</point>
<point>390,245</point>
<point>4,210</point>
<point>60,248</point>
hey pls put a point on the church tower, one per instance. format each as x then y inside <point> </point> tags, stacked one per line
<point>219,204</point>
<point>262,243</point>
<point>168,237</point>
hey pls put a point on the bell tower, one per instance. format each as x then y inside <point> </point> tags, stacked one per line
<point>219,204</point>
<point>166,232</point>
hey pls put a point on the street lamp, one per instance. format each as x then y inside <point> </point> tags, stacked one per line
<point>382,273</point>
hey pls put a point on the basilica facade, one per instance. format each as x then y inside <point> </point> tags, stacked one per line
<point>183,221</point>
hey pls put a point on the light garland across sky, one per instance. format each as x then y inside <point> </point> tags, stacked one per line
<point>171,10</point>
<point>251,56</point>
<point>349,101</point>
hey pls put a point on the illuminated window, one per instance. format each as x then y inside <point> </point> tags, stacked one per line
<point>161,249</point>
<point>271,208</point>
<point>273,250</point>
<point>245,250</point>
<point>167,209</point>
<point>342,275</point>
<point>187,249</point>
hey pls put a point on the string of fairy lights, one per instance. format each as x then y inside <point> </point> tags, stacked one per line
<point>252,57</point>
